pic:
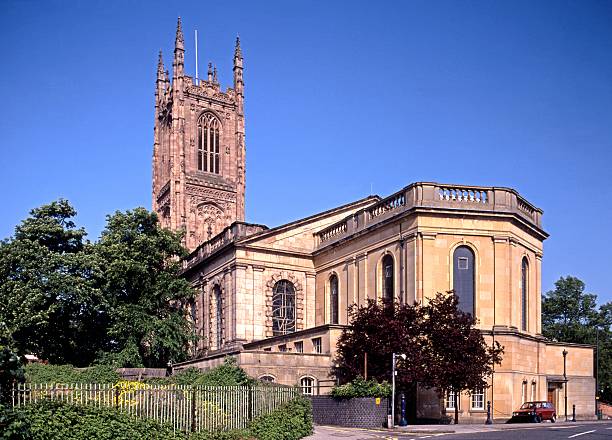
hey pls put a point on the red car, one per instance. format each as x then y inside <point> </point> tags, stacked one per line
<point>535,412</point>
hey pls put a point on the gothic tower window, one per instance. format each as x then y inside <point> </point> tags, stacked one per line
<point>524,293</point>
<point>283,308</point>
<point>333,299</point>
<point>387,277</point>
<point>219,312</point>
<point>208,143</point>
<point>463,278</point>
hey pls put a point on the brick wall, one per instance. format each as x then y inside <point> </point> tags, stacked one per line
<point>362,412</point>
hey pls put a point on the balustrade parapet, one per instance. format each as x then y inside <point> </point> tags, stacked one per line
<point>435,196</point>
<point>230,234</point>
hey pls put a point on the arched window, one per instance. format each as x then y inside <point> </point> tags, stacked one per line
<point>307,384</point>
<point>387,278</point>
<point>208,143</point>
<point>219,312</point>
<point>267,378</point>
<point>463,278</point>
<point>524,293</point>
<point>283,308</point>
<point>333,299</point>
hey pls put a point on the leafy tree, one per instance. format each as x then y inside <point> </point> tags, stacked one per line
<point>380,330</point>
<point>568,313</point>
<point>460,359</point>
<point>571,315</point>
<point>443,348</point>
<point>73,302</point>
<point>48,305</point>
<point>141,283</point>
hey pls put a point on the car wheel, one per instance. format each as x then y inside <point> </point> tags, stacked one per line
<point>553,419</point>
<point>538,419</point>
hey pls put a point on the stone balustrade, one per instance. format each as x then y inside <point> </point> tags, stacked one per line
<point>463,195</point>
<point>390,203</point>
<point>333,230</point>
<point>430,195</point>
<point>230,234</point>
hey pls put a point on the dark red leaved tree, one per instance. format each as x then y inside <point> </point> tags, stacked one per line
<point>380,329</point>
<point>459,357</point>
<point>443,348</point>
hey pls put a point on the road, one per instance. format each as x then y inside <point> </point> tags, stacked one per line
<point>545,431</point>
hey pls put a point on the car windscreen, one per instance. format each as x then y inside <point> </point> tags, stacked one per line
<point>527,405</point>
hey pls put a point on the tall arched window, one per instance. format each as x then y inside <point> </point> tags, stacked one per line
<point>283,308</point>
<point>219,315</point>
<point>387,277</point>
<point>333,299</point>
<point>524,293</point>
<point>463,278</point>
<point>208,143</point>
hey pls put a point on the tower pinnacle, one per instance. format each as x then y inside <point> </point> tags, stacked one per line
<point>237,51</point>
<point>160,66</point>
<point>179,41</point>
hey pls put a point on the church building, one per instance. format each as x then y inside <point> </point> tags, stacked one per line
<point>276,298</point>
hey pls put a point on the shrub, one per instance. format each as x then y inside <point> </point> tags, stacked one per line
<point>53,420</point>
<point>13,425</point>
<point>227,374</point>
<point>360,387</point>
<point>292,421</point>
<point>42,373</point>
<point>234,434</point>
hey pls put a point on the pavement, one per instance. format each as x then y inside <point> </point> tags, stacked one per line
<point>596,430</point>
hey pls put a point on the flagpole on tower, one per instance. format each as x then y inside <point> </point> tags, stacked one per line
<point>197,81</point>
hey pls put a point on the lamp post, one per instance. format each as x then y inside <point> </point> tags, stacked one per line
<point>597,375</point>
<point>393,373</point>
<point>565,380</point>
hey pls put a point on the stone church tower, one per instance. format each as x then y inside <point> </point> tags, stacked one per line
<point>198,149</point>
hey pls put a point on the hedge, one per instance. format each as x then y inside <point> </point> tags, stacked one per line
<point>360,387</point>
<point>292,421</point>
<point>54,420</point>
<point>227,374</point>
<point>43,373</point>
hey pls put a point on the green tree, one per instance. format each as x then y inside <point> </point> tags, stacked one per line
<point>48,304</point>
<point>73,302</point>
<point>141,283</point>
<point>569,314</point>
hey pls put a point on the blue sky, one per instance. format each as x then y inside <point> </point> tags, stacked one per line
<point>341,97</point>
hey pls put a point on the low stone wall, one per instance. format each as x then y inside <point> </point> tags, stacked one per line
<point>360,412</point>
<point>141,373</point>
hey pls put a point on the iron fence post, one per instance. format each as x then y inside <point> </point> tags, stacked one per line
<point>193,409</point>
